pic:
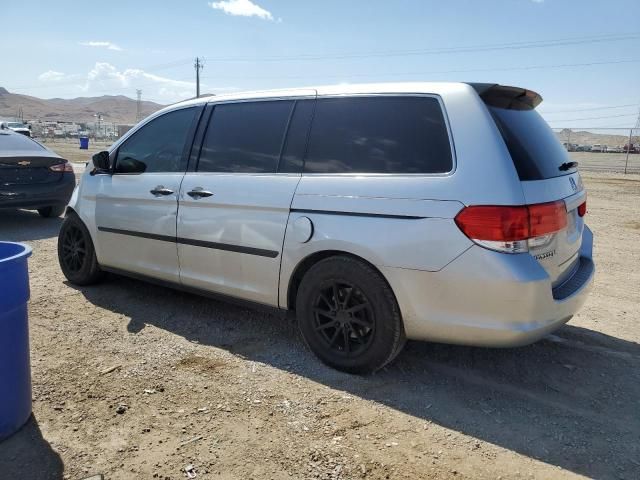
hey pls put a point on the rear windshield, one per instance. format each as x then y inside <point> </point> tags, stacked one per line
<point>16,141</point>
<point>536,152</point>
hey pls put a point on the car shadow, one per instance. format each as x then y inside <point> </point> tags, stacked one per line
<point>26,454</point>
<point>27,225</point>
<point>570,400</point>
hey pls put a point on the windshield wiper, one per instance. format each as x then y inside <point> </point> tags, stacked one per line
<point>567,166</point>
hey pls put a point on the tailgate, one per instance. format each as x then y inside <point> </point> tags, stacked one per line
<point>546,172</point>
<point>559,253</point>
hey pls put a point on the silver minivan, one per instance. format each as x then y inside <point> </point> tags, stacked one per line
<point>444,212</point>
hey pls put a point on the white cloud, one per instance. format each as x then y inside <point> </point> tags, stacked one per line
<point>106,79</point>
<point>107,45</point>
<point>243,8</point>
<point>104,76</point>
<point>51,76</point>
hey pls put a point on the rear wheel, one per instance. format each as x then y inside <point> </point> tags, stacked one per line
<point>48,212</point>
<point>348,315</point>
<point>76,254</point>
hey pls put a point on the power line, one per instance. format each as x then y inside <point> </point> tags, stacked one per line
<point>431,72</point>
<point>623,126</point>
<point>439,51</point>
<point>591,109</point>
<point>591,118</point>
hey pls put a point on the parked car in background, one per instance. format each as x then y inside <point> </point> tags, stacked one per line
<point>19,127</point>
<point>32,176</point>
<point>632,148</point>
<point>596,147</point>
<point>570,147</point>
<point>351,208</point>
<point>614,150</point>
<point>583,148</point>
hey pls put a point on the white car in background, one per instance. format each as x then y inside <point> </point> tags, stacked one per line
<point>596,147</point>
<point>18,127</point>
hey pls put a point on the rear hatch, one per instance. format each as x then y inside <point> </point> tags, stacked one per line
<point>547,174</point>
<point>24,161</point>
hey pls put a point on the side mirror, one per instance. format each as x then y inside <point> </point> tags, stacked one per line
<point>101,161</point>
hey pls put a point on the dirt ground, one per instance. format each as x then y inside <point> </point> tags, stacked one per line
<point>231,393</point>
<point>70,149</point>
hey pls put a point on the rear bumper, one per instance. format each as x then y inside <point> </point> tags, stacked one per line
<point>486,298</point>
<point>34,196</point>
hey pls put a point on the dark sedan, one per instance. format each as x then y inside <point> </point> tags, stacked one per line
<point>32,176</point>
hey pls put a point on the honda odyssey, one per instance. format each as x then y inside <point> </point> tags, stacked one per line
<point>445,212</point>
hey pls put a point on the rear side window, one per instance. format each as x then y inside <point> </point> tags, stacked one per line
<point>379,135</point>
<point>536,152</point>
<point>16,141</point>
<point>245,137</point>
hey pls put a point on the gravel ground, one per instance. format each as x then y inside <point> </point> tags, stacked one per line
<point>132,380</point>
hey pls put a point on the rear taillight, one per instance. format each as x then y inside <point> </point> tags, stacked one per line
<point>62,167</point>
<point>512,229</point>
<point>582,209</point>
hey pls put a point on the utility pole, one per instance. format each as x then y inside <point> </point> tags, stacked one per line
<point>198,66</point>
<point>630,142</point>
<point>138,105</point>
<point>99,117</point>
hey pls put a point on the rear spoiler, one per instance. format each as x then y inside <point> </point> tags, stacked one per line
<point>501,96</point>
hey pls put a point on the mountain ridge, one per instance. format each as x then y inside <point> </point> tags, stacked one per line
<point>118,109</point>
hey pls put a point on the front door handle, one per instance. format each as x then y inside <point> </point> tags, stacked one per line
<point>198,192</point>
<point>161,190</point>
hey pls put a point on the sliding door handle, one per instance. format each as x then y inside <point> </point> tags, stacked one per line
<point>161,190</point>
<point>198,192</point>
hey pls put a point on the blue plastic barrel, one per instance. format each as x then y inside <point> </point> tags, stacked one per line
<point>15,370</point>
<point>84,143</point>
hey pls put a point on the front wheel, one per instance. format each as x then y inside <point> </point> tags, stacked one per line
<point>348,315</point>
<point>76,254</point>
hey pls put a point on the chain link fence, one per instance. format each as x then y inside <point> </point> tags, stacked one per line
<point>603,149</point>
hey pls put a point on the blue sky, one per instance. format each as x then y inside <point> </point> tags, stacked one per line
<point>67,49</point>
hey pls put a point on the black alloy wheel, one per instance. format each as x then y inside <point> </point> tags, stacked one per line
<point>348,315</point>
<point>344,318</point>
<point>74,249</point>
<point>76,254</point>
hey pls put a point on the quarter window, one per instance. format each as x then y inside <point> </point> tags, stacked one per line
<point>158,146</point>
<point>378,135</point>
<point>245,137</point>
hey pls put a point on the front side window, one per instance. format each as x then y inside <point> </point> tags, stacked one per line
<point>403,135</point>
<point>158,146</point>
<point>245,137</point>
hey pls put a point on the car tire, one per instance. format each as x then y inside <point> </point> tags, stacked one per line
<point>76,254</point>
<point>348,315</point>
<point>48,212</point>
